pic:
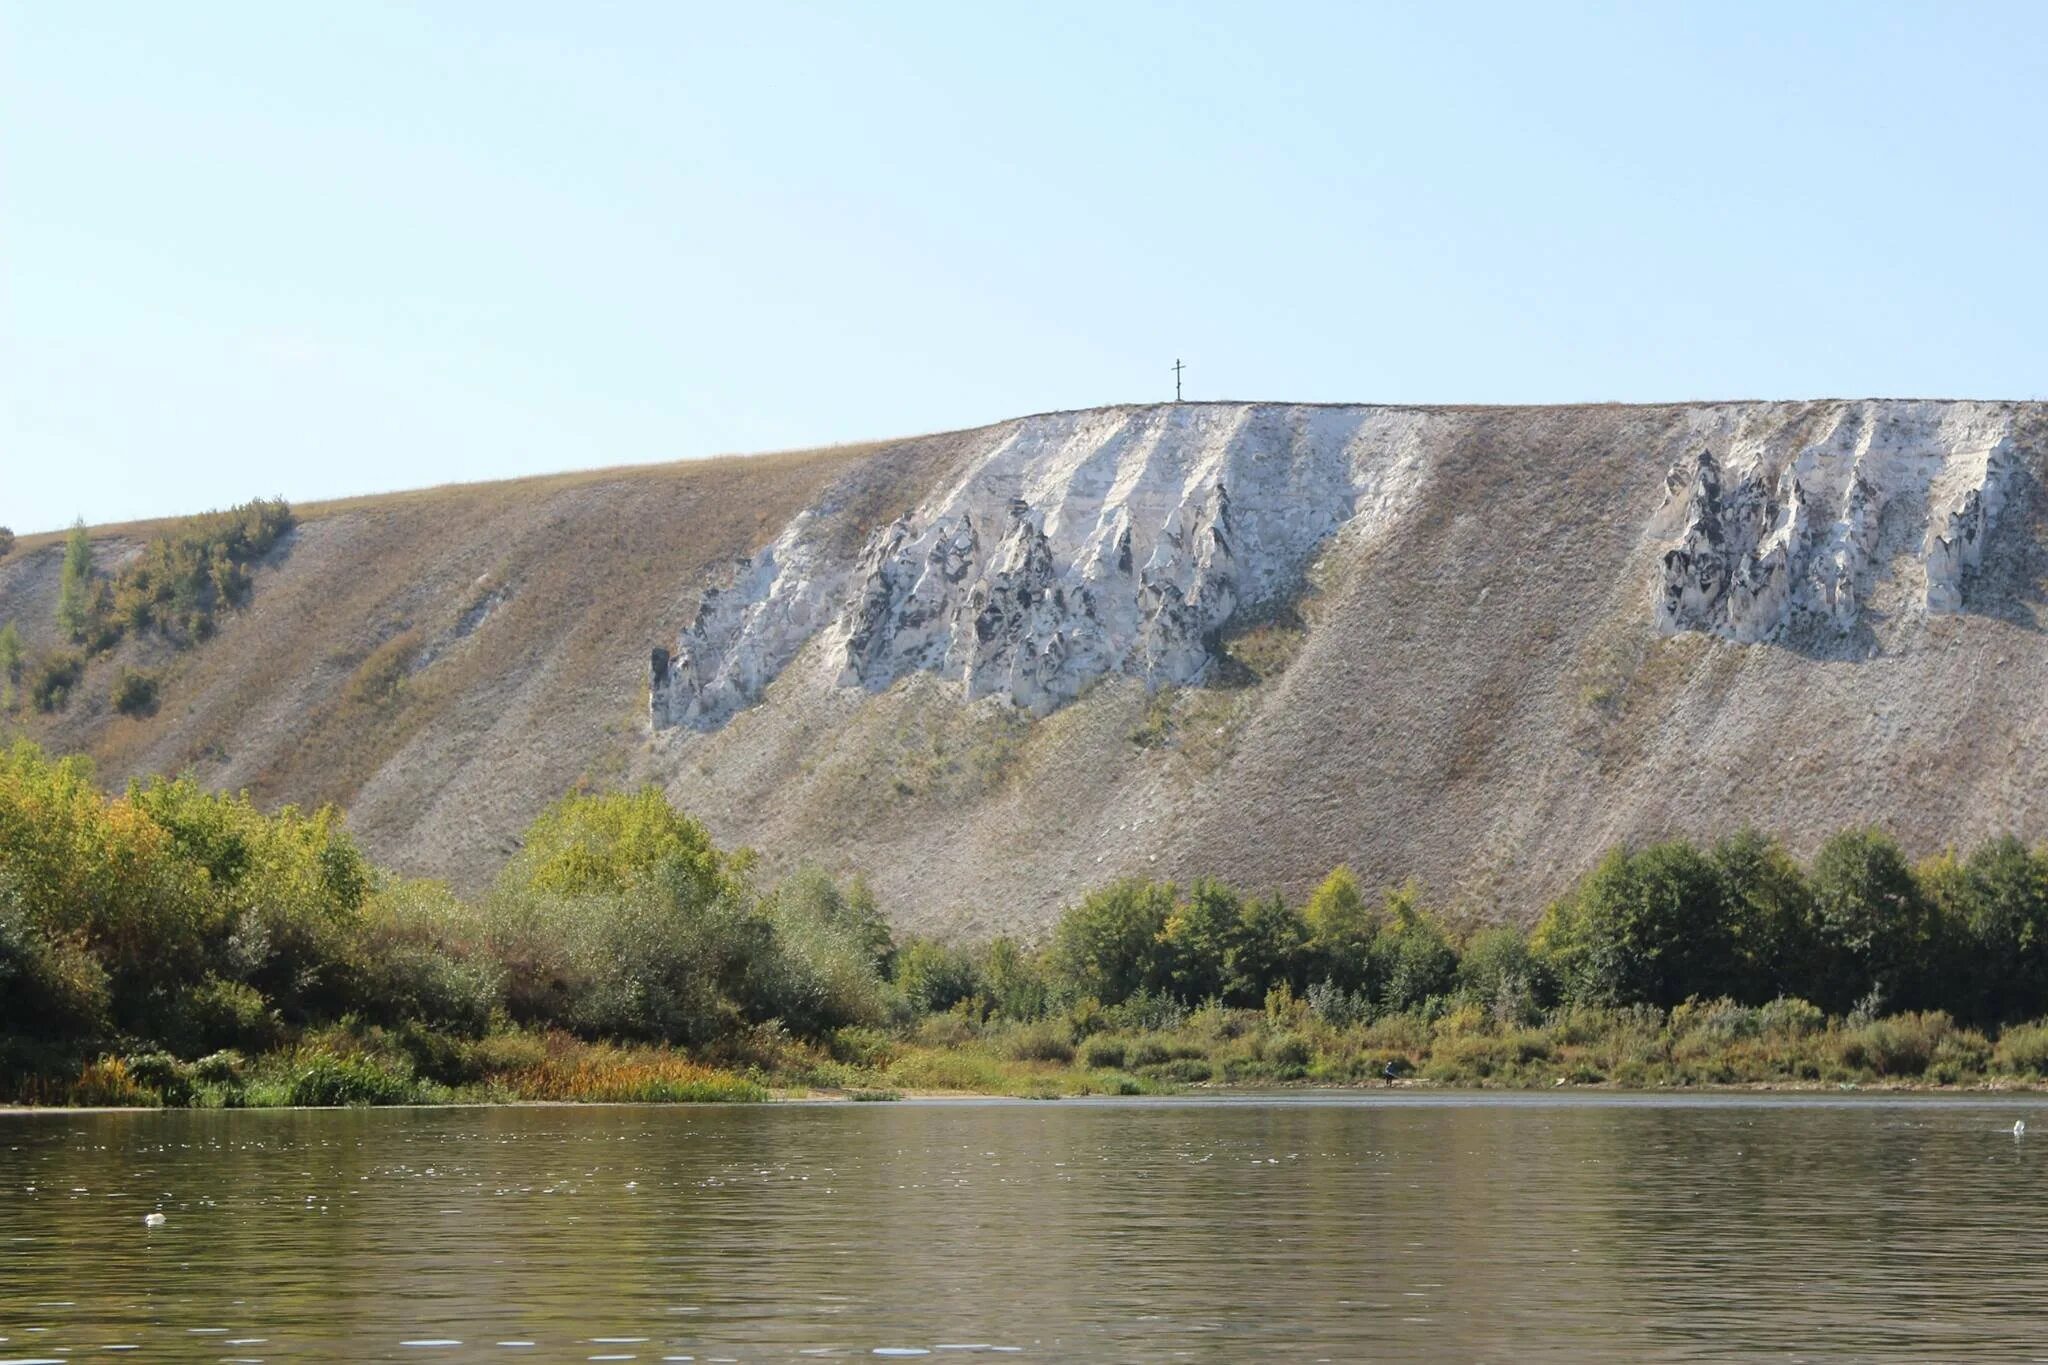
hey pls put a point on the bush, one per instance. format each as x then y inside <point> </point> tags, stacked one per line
<point>1900,1045</point>
<point>53,678</point>
<point>106,1084</point>
<point>1042,1043</point>
<point>326,1081</point>
<point>1103,1054</point>
<point>1789,1017</point>
<point>934,976</point>
<point>134,692</point>
<point>215,1015</point>
<point>2023,1049</point>
<point>161,1072</point>
<point>6,541</point>
<point>858,1046</point>
<point>1149,1052</point>
<point>1337,1007</point>
<point>1288,1050</point>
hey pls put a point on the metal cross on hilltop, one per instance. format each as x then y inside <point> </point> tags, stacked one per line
<point>1177,368</point>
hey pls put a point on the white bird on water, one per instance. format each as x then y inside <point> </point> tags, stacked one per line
<point>2019,1127</point>
<point>153,1220</point>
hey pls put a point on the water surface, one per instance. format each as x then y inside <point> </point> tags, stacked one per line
<point>1286,1227</point>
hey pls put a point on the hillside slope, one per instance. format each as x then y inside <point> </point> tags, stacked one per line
<point>990,668</point>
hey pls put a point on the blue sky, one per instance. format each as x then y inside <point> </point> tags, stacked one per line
<point>327,249</point>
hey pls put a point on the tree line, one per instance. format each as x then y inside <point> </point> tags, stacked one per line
<point>172,917</point>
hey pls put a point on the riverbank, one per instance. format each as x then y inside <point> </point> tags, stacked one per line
<point>1786,1045</point>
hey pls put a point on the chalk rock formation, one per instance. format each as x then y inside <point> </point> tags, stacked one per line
<point>744,633</point>
<point>1774,538</point>
<point>1079,545</point>
<point>1075,546</point>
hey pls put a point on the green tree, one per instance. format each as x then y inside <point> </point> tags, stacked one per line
<point>1873,927</point>
<point>1270,951</point>
<point>1769,909</point>
<point>1341,928</point>
<point>1108,946</point>
<point>1201,940</point>
<point>75,584</point>
<point>1498,969</point>
<point>1647,927</point>
<point>1015,986</point>
<point>1990,917</point>
<point>1412,955</point>
<point>936,976</point>
<point>588,844</point>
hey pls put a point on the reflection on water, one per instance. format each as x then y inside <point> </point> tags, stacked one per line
<point>1293,1228</point>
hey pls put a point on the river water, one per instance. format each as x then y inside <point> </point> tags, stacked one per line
<point>1294,1227</point>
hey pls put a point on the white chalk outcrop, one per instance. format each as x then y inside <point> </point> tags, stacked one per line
<point>1777,535</point>
<point>1076,545</point>
<point>1123,540</point>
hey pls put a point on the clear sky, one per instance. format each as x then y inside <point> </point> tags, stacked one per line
<point>318,249</point>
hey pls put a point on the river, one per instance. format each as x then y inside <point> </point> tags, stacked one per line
<point>1293,1227</point>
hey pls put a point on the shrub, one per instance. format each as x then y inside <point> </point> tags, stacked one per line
<point>6,541</point>
<point>1145,1012</point>
<point>327,1081</point>
<point>1900,1045</point>
<point>1103,1054</point>
<point>53,678</point>
<point>1042,1043</point>
<point>217,1014</point>
<point>134,692</point>
<point>860,1046</point>
<point>219,1068</point>
<point>1719,1021</point>
<point>1288,1050</point>
<point>2023,1049</point>
<point>107,1084</point>
<point>161,1072</point>
<point>1790,1017</point>
<point>935,976</point>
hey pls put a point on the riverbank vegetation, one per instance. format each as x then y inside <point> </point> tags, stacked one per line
<point>171,945</point>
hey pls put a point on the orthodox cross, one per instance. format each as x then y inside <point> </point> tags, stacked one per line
<point>1177,368</point>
